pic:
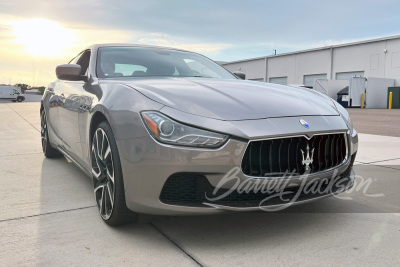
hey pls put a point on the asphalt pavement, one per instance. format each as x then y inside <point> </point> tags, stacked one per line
<point>376,121</point>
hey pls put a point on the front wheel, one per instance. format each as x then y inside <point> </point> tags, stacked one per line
<point>107,178</point>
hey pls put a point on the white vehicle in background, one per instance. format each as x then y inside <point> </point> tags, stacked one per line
<point>10,93</point>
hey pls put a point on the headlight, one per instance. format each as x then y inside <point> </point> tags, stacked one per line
<point>169,131</point>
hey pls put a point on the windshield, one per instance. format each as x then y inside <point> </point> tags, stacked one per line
<point>145,62</point>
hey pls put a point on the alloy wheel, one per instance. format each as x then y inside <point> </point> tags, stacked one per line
<point>43,131</point>
<point>103,173</point>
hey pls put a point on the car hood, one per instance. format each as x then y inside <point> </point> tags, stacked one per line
<point>226,99</point>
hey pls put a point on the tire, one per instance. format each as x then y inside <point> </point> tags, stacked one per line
<point>108,182</point>
<point>19,99</point>
<point>48,150</point>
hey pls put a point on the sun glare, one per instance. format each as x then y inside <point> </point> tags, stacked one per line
<point>42,37</point>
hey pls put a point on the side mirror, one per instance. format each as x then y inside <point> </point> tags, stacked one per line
<point>69,72</point>
<point>239,74</point>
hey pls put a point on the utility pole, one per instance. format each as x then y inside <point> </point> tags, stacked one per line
<point>33,70</point>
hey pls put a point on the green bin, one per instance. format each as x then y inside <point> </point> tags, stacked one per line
<point>395,98</point>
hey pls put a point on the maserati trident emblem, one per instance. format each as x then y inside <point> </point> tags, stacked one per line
<point>304,123</point>
<point>308,159</point>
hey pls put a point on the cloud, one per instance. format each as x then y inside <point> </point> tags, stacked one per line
<point>154,41</point>
<point>32,49</point>
<point>168,41</point>
<point>223,30</point>
<point>209,49</point>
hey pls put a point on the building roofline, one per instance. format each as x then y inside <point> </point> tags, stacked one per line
<point>318,48</point>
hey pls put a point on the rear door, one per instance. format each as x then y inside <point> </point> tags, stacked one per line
<point>56,100</point>
<point>53,113</point>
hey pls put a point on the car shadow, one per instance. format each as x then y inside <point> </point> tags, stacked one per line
<point>64,187</point>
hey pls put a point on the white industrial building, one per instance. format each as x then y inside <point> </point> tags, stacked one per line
<point>378,58</point>
<point>331,68</point>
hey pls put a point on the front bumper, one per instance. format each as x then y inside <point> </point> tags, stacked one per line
<point>147,165</point>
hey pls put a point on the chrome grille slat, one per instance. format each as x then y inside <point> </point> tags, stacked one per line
<point>297,154</point>
<point>332,153</point>
<point>320,151</point>
<point>274,157</point>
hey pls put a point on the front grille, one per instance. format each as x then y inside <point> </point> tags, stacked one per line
<point>293,155</point>
<point>191,189</point>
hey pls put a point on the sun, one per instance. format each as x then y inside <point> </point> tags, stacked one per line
<point>42,37</point>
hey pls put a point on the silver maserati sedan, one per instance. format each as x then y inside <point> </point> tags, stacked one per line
<point>167,131</point>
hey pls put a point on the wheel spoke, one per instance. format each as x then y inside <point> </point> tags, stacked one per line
<point>110,176</point>
<point>105,196</point>
<point>96,174</point>
<point>98,188</point>
<point>110,194</point>
<point>101,200</point>
<point>97,144</point>
<point>104,142</point>
<point>108,151</point>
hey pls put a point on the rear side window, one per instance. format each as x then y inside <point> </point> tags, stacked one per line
<point>75,59</point>
<point>83,60</point>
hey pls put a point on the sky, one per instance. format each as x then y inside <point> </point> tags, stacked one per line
<point>35,36</point>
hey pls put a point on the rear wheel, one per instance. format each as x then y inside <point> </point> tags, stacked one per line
<point>48,150</point>
<point>107,178</point>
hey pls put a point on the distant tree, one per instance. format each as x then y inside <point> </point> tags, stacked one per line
<point>41,89</point>
<point>23,87</point>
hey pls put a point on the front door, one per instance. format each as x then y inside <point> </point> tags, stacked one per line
<point>69,112</point>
